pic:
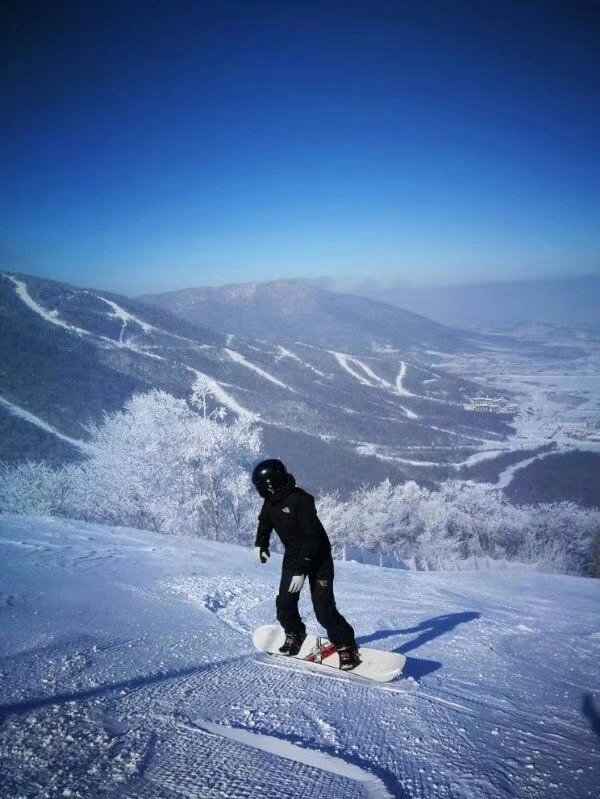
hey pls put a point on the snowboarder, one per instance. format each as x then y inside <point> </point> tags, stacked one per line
<point>291,511</point>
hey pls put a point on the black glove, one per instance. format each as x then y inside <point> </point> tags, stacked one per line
<point>262,553</point>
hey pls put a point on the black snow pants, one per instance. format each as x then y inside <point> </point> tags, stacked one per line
<point>320,579</point>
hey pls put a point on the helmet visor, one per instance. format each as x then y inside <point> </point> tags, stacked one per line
<point>268,478</point>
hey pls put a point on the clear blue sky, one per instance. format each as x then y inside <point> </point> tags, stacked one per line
<point>160,145</point>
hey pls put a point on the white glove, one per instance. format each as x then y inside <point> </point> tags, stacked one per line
<point>296,583</point>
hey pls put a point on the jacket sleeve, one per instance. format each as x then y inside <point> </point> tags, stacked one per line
<point>312,534</point>
<point>263,533</point>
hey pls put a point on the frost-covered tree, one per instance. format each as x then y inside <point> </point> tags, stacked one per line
<point>160,466</point>
<point>595,567</point>
<point>202,389</point>
<point>34,489</point>
<point>334,514</point>
<point>475,516</point>
<point>461,520</point>
<point>437,543</point>
<point>559,537</point>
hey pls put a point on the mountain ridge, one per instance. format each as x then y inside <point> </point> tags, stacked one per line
<point>287,308</point>
<point>358,399</point>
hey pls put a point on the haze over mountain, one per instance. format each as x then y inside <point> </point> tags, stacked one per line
<point>287,310</point>
<point>571,302</point>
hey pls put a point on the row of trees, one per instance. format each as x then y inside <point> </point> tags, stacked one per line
<point>462,519</point>
<point>160,465</point>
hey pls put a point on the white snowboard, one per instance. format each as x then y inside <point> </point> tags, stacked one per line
<point>376,664</point>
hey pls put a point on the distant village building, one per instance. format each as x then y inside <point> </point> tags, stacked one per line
<point>493,405</point>
<point>586,432</point>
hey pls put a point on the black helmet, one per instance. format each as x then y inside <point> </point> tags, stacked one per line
<point>268,476</point>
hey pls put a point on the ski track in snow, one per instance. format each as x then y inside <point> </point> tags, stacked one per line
<point>404,392</point>
<point>506,475</point>
<point>344,361</point>
<point>235,356</point>
<point>371,449</point>
<point>222,396</point>
<point>285,353</point>
<point>480,457</point>
<point>49,316</point>
<point>125,316</point>
<point>372,786</point>
<point>372,380</point>
<point>35,420</point>
<point>118,313</point>
<point>148,685</point>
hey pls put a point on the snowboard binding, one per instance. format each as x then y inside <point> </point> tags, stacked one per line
<point>349,657</point>
<point>323,649</point>
<point>292,645</point>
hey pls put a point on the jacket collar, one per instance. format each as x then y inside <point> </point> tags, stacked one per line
<point>285,489</point>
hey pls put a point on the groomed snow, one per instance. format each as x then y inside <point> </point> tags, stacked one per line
<point>238,358</point>
<point>222,396</point>
<point>125,317</point>
<point>127,668</point>
<point>16,410</point>
<point>372,380</point>
<point>49,316</point>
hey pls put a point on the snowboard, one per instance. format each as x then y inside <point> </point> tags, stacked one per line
<point>376,664</point>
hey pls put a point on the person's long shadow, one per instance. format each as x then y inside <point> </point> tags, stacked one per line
<point>426,631</point>
<point>590,712</point>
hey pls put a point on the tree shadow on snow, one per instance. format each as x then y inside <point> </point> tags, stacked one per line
<point>26,705</point>
<point>591,713</point>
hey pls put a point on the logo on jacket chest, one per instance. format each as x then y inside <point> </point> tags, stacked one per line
<point>285,510</point>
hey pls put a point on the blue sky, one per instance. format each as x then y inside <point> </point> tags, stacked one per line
<point>155,146</point>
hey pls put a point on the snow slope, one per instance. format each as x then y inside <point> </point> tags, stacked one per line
<point>35,420</point>
<point>127,670</point>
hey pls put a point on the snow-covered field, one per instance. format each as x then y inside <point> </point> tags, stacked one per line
<point>127,670</point>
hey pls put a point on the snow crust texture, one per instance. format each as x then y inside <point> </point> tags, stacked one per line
<point>127,670</point>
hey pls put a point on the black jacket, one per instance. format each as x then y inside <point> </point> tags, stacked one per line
<point>293,514</point>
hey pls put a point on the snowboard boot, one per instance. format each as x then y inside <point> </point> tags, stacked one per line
<point>292,644</point>
<point>349,657</point>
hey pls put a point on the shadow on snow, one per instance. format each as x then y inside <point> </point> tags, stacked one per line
<point>100,690</point>
<point>425,631</point>
<point>591,713</point>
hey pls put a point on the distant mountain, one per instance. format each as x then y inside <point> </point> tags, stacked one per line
<point>69,354</point>
<point>346,389</point>
<point>286,311</point>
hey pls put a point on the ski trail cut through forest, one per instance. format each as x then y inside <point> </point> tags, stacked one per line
<point>16,410</point>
